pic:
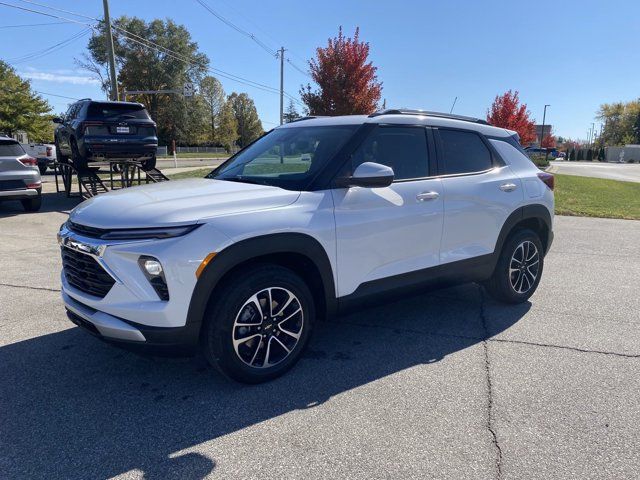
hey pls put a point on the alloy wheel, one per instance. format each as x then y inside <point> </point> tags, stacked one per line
<point>524,267</point>
<point>267,327</point>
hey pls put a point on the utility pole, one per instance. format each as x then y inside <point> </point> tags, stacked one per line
<point>281,84</point>
<point>544,117</point>
<point>112,59</point>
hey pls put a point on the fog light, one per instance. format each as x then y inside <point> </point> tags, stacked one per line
<point>153,267</point>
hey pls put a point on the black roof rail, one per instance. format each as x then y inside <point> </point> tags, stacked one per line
<point>308,117</point>
<point>406,111</point>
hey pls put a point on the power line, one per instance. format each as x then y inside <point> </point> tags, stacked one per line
<point>150,44</point>
<point>298,68</point>
<point>32,25</point>
<point>69,20</point>
<point>250,35</point>
<point>48,50</point>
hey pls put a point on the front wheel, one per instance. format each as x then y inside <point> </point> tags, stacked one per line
<point>257,327</point>
<point>519,268</point>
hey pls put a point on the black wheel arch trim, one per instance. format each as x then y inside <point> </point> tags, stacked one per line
<point>256,247</point>
<point>533,211</point>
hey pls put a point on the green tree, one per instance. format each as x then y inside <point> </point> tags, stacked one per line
<point>144,67</point>
<point>619,122</point>
<point>21,109</point>
<point>244,110</point>
<point>291,113</point>
<point>227,133</point>
<point>213,96</point>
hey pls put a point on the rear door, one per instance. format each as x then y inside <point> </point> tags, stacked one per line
<point>385,232</point>
<point>480,192</point>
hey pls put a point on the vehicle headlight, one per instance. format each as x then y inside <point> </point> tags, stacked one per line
<point>154,273</point>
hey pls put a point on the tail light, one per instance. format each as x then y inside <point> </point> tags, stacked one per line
<point>49,151</point>
<point>548,179</point>
<point>35,185</point>
<point>29,161</point>
<point>94,128</point>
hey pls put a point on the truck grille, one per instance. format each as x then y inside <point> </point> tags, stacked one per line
<point>85,273</point>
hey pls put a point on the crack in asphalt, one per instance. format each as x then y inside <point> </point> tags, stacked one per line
<point>29,287</point>
<point>490,409</point>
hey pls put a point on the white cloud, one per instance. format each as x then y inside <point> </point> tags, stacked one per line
<point>60,78</point>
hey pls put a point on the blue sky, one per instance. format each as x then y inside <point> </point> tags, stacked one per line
<point>572,54</point>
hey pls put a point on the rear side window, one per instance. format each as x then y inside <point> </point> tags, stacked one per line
<point>115,110</point>
<point>464,152</point>
<point>404,149</point>
<point>10,149</point>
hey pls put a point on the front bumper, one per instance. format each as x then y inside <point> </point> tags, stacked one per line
<point>131,311</point>
<point>117,330</point>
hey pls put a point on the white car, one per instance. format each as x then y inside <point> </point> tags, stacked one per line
<point>44,153</point>
<point>318,216</point>
<point>19,176</point>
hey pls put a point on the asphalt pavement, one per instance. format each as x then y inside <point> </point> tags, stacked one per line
<point>626,172</point>
<point>447,384</point>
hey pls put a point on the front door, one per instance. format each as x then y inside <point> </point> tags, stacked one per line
<point>384,232</point>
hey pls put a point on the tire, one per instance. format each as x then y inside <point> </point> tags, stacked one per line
<point>43,168</point>
<point>32,204</point>
<point>60,158</point>
<point>149,164</point>
<point>235,307</point>
<point>78,160</point>
<point>512,281</point>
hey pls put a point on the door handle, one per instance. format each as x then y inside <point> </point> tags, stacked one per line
<point>508,187</point>
<point>424,196</point>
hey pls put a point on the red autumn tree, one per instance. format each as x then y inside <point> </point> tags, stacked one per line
<point>549,140</point>
<point>507,112</point>
<point>347,81</point>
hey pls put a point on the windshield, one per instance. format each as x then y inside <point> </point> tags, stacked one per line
<point>10,149</point>
<point>287,157</point>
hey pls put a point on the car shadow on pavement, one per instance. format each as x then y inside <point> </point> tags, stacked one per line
<point>51,202</point>
<point>72,406</point>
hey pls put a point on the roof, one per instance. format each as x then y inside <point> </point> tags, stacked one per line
<point>404,117</point>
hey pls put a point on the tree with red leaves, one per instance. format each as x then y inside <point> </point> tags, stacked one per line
<point>507,112</point>
<point>548,140</point>
<point>347,81</point>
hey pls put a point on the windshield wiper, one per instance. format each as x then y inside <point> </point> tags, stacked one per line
<point>241,180</point>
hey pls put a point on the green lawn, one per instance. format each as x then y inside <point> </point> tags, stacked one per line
<point>199,173</point>
<point>196,155</point>
<point>577,196</point>
<point>597,197</point>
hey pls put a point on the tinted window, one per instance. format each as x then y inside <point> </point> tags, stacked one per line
<point>464,152</point>
<point>402,148</point>
<point>286,157</point>
<point>116,110</point>
<point>10,149</point>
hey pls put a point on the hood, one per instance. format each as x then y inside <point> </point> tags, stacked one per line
<point>177,202</point>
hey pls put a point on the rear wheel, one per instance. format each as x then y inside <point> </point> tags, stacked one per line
<point>60,158</point>
<point>149,164</point>
<point>257,327</point>
<point>32,204</point>
<point>519,268</point>
<point>43,168</point>
<point>77,159</point>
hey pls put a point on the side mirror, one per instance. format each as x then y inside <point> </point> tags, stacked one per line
<point>57,120</point>
<point>369,175</point>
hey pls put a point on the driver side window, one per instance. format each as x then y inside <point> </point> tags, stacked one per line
<point>404,149</point>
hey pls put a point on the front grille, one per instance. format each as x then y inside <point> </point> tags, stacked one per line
<point>85,273</point>
<point>12,185</point>
<point>86,231</point>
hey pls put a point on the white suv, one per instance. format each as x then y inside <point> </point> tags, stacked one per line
<point>316,217</point>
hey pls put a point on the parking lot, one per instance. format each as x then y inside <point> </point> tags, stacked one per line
<point>447,384</point>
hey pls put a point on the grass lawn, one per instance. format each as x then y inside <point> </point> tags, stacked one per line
<point>196,155</point>
<point>199,173</point>
<point>597,197</point>
<point>577,196</point>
